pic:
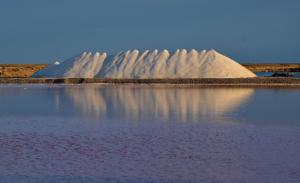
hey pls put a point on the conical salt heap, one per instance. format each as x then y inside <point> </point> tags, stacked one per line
<point>148,64</point>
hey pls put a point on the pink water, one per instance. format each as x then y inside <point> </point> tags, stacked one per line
<point>223,144</point>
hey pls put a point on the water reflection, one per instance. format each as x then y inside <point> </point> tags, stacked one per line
<point>159,103</point>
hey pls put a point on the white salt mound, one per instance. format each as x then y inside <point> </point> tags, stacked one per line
<point>56,63</point>
<point>148,64</point>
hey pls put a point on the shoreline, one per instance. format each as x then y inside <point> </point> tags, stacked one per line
<point>204,82</point>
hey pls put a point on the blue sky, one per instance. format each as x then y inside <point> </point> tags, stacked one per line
<point>41,31</point>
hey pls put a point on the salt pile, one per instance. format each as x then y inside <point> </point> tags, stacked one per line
<point>148,64</point>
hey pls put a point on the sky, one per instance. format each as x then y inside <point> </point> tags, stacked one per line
<point>249,31</point>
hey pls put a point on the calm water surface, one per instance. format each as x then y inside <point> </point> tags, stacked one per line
<point>139,133</point>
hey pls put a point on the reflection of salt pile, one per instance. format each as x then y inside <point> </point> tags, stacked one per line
<point>148,64</point>
<point>135,103</point>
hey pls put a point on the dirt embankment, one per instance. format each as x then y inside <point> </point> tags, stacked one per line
<point>26,70</point>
